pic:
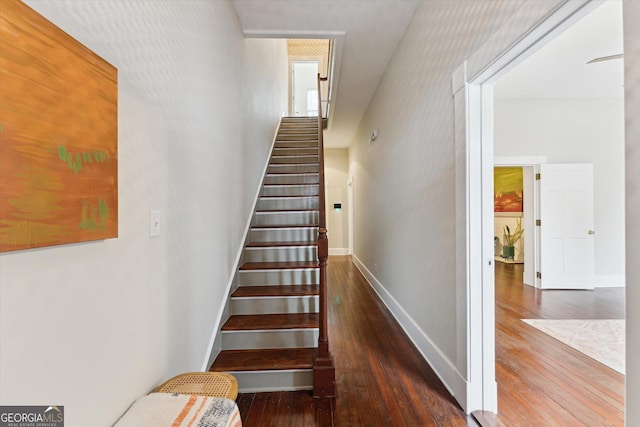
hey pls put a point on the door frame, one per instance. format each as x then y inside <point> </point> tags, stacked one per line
<point>530,166</point>
<point>292,86</point>
<point>533,25</point>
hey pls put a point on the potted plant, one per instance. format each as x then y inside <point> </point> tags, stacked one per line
<point>510,239</point>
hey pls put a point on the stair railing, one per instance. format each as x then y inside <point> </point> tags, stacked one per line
<point>324,383</point>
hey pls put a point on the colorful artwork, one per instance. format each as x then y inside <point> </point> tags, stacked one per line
<point>507,195</point>
<point>58,136</point>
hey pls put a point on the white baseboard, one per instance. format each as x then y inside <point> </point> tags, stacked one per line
<point>338,251</point>
<point>236,263</point>
<point>609,281</point>
<point>442,366</point>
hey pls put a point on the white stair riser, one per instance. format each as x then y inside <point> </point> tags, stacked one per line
<point>292,178</point>
<point>264,381</point>
<point>296,144</point>
<point>273,305</point>
<point>278,254</point>
<point>287,203</point>
<point>310,151</point>
<point>293,159</point>
<point>285,218</point>
<point>299,131</point>
<point>250,340</point>
<point>308,235</point>
<point>284,168</point>
<point>290,190</point>
<point>278,277</point>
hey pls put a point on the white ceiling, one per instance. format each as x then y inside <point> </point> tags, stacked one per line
<point>372,28</point>
<point>560,69</point>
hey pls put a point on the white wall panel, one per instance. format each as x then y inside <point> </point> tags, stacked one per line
<point>405,198</point>
<point>95,325</point>
<point>631,11</point>
<point>570,130</point>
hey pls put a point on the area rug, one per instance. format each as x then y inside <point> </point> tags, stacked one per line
<point>602,339</point>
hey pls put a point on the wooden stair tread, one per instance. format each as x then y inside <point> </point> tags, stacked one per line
<point>294,184</point>
<point>265,359</point>
<point>294,164</point>
<point>279,154</point>
<point>280,244</point>
<point>282,226</point>
<point>288,265</point>
<point>293,144</point>
<point>259,322</point>
<point>285,210</point>
<point>291,173</point>
<point>289,196</point>
<point>276,291</point>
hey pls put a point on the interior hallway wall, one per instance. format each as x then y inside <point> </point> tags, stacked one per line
<point>575,130</point>
<point>631,13</point>
<point>93,326</point>
<point>406,212</point>
<point>336,178</point>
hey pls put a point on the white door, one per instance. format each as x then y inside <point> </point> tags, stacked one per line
<point>566,230</point>
<point>305,88</point>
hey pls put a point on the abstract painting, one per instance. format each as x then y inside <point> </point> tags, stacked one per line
<point>507,196</point>
<point>58,136</point>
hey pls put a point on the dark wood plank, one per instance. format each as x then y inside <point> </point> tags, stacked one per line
<point>381,380</point>
<point>244,402</point>
<point>259,412</point>
<point>253,322</point>
<point>255,360</point>
<point>287,210</point>
<point>289,265</point>
<point>275,291</point>
<point>487,419</point>
<point>279,244</point>
<point>541,380</point>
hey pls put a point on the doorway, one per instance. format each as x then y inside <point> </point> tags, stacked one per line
<point>520,215</point>
<point>474,138</point>
<point>304,96</point>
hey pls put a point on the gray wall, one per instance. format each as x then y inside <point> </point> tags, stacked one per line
<point>631,10</point>
<point>404,192</point>
<point>575,130</point>
<point>94,326</point>
<point>405,214</point>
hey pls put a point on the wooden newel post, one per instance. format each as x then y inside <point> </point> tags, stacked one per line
<point>324,375</point>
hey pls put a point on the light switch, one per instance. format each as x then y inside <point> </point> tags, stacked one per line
<point>154,224</point>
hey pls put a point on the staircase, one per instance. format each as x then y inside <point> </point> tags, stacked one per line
<point>270,338</point>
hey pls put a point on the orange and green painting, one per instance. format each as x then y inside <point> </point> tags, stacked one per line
<point>507,195</point>
<point>58,136</point>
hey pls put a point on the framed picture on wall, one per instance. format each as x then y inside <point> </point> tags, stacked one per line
<point>508,190</point>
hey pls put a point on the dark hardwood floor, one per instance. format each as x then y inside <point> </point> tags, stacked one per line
<point>541,381</point>
<point>381,380</point>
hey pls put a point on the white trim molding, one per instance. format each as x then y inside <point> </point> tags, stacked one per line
<point>221,311</point>
<point>338,251</point>
<point>532,26</point>
<point>441,365</point>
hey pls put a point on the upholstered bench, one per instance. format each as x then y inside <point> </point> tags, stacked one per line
<point>197,399</point>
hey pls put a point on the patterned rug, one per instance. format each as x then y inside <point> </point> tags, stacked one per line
<point>602,340</point>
